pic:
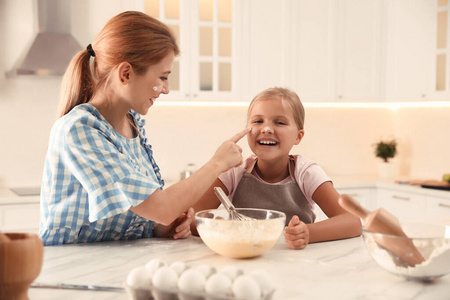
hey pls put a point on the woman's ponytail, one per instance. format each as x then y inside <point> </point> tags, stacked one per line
<point>77,84</point>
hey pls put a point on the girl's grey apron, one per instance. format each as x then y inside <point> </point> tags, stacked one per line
<point>286,197</point>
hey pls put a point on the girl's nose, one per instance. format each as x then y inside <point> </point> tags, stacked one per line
<point>267,129</point>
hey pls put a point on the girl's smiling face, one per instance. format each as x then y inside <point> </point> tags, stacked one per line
<point>274,131</point>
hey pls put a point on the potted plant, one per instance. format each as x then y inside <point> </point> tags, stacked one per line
<point>386,150</point>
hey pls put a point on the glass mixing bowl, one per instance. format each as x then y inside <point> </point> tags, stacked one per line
<point>431,240</point>
<point>240,239</point>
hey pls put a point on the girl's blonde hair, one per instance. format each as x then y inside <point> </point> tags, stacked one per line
<point>130,36</point>
<point>285,95</point>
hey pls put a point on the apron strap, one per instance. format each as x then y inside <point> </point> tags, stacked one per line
<point>291,167</point>
<point>251,166</point>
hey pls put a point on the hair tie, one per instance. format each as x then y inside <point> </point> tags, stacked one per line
<point>90,50</point>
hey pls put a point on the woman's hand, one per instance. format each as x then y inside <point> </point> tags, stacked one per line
<point>229,154</point>
<point>179,229</point>
<point>296,234</point>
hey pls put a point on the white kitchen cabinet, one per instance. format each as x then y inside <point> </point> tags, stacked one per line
<point>352,50</point>
<point>325,50</point>
<point>310,41</point>
<point>265,45</point>
<point>209,35</point>
<point>334,49</point>
<point>438,207</point>
<point>20,217</point>
<point>365,196</point>
<point>441,51</point>
<point>403,205</point>
<point>411,31</point>
<point>360,43</point>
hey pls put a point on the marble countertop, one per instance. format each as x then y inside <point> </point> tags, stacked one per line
<point>330,270</point>
<point>407,188</point>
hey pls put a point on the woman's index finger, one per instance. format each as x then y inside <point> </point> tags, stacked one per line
<point>240,135</point>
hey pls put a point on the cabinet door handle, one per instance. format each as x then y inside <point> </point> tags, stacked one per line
<point>354,195</point>
<point>400,197</point>
<point>444,205</point>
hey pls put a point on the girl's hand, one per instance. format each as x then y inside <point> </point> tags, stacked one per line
<point>179,229</point>
<point>296,234</point>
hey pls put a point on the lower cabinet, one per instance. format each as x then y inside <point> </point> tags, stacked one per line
<point>24,217</point>
<point>438,208</point>
<point>405,206</point>
<point>365,196</point>
<point>19,218</point>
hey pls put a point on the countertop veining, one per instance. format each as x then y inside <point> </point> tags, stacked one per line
<point>329,270</point>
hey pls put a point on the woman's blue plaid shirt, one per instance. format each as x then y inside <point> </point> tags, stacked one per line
<point>92,176</point>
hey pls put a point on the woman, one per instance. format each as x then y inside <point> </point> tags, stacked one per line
<point>100,180</point>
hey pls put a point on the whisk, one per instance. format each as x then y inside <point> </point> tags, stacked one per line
<point>234,215</point>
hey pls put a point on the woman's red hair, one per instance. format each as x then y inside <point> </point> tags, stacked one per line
<point>130,36</point>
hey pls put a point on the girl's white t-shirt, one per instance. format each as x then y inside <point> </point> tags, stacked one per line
<point>308,175</point>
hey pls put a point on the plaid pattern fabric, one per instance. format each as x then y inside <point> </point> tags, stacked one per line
<point>92,176</point>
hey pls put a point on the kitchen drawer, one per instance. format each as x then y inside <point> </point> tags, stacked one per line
<point>405,206</point>
<point>19,218</point>
<point>365,196</point>
<point>438,208</point>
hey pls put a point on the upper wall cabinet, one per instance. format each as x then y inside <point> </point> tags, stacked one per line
<point>441,52</point>
<point>329,50</point>
<point>352,50</point>
<point>410,40</point>
<point>326,50</point>
<point>265,46</point>
<point>310,58</point>
<point>208,36</point>
<point>359,62</point>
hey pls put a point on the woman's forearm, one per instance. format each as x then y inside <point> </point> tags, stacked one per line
<point>164,206</point>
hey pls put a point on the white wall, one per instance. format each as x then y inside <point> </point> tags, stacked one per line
<point>424,136</point>
<point>339,139</point>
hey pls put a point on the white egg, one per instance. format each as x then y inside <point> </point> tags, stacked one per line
<point>140,278</point>
<point>155,264</point>
<point>178,266</point>
<point>263,279</point>
<point>165,278</point>
<point>206,270</point>
<point>231,271</point>
<point>219,285</point>
<point>246,288</point>
<point>192,281</point>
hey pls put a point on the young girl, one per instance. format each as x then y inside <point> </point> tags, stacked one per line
<point>273,179</point>
<point>100,180</point>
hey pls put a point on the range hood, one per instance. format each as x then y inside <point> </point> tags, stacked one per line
<point>53,46</point>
